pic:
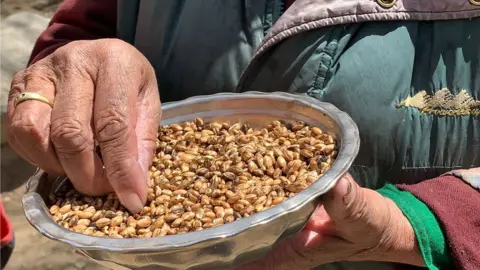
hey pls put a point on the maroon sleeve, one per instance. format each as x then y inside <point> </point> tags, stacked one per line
<point>77,20</point>
<point>456,205</point>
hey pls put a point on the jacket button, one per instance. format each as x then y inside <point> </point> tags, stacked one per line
<point>475,2</point>
<point>390,3</point>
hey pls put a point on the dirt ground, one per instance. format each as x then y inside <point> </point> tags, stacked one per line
<point>46,7</point>
<point>32,251</point>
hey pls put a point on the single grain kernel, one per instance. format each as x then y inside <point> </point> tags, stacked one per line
<point>65,209</point>
<point>144,222</point>
<point>102,222</point>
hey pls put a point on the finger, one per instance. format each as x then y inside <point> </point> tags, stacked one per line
<point>12,141</point>
<point>296,252</point>
<point>115,116</point>
<point>320,221</point>
<point>149,115</point>
<point>29,122</point>
<point>304,250</point>
<point>71,130</point>
<point>344,202</point>
<point>317,243</point>
<point>288,254</point>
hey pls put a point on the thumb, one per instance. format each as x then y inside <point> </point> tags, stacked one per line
<point>346,201</point>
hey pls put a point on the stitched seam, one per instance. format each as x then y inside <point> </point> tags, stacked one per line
<point>360,14</point>
<point>324,57</point>
<point>443,103</point>
<point>365,13</point>
<point>327,56</point>
<point>327,73</point>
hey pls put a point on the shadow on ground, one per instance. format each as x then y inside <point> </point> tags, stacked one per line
<point>14,171</point>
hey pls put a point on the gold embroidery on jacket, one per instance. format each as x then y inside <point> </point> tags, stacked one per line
<point>443,103</point>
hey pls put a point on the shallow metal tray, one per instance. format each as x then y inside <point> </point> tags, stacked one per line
<point>228,245</point>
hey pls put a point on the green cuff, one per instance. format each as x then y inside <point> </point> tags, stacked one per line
<point>429,235</point>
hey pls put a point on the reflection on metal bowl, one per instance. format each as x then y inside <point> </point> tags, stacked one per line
<point>231,244</point>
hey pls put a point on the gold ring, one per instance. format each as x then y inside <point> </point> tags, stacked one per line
<point>31,96</point>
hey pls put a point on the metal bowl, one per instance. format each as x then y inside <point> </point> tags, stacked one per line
<point>231,244</point>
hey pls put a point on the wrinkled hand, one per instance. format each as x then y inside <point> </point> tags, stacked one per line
<point>103,91</point>
<point>353,224</point>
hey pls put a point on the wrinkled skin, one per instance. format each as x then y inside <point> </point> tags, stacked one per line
<point>352,224</point>
<point>104,91</point>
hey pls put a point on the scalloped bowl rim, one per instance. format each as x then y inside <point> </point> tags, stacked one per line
<point>37,213</point>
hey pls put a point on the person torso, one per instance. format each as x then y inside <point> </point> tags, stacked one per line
<point>408,74</point>
<point>412,86</point>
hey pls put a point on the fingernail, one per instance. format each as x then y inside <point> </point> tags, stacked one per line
<point>131,201</point>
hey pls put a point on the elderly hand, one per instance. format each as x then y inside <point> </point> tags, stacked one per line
<point>102,91</point>
<point>353,224</point>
